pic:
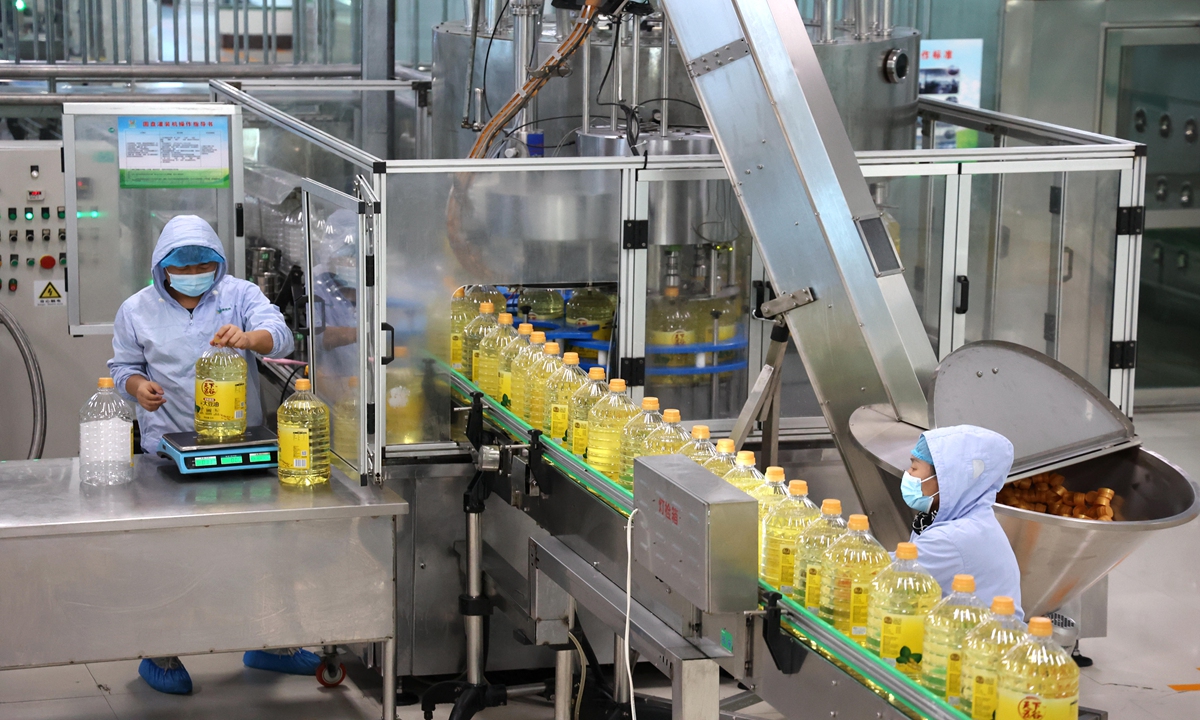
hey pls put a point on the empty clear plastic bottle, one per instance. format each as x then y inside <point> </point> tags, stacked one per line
<point>781,530</point>
<point>901,596</point>
<point>220,394</point>
<point>606,420</point>
<point>105,437</point>
<point>724,460</point>
<point>698,448</point>
<point>945,629</point>
<point>582,402</point>
<point>1038,679</point>
<point>303,438</point>
<point>522,366</point>
<point>850,565</point>
<point>770,492</point>
<point>494,341</point>
<point>633,437</point>
<point>505,368</point>
<point>473,335</point>
<point>668,438</point>
<point>810,554</point>
<point>560,388</point>
<point>536,388</point>
<point>544,305</point>
<point>744,476</point>
<point>982,649</point>
<point>462,311</point>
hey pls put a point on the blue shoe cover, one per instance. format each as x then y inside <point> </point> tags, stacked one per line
<point>166,675</point>
<point>297,662</point>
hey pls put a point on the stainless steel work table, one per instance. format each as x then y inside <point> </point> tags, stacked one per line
<point>170,564</point>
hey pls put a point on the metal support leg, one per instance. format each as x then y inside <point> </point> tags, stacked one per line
<point>763,401</point>
<point>564,681</point>
<point>474,623</point>
<point>389,679</point>
<point>620,676</point>
<point>695,691</point>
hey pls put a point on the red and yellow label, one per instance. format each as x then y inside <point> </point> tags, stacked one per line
<point>220,400</point>
<point>1026,706</point>
<point>295,448</point>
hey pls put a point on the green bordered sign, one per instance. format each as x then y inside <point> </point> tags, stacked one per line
<point>189,151</point>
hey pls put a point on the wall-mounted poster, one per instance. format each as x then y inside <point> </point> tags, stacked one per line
<point>173,152</point>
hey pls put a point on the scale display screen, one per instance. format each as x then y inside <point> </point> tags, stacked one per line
<point>261,458</point>
<point>229,461</point>
<point>210,461</point>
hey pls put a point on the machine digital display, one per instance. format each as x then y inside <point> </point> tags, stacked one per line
<point>260,457</point>
<point>210,461</point>
<point>231,459</point>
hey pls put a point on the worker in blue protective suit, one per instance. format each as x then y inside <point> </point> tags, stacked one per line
<point>158,335</point>
<point>952,481</point>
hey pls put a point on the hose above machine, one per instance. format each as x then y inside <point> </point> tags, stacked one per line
<point>36,387</point>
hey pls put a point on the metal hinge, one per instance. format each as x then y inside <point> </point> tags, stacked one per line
<point>1055,200</point>
<point>1131,220</point>
<point>365,208</point>
<point>633,371</point>
<point>1122,355</point>
<point>370,418</point>
<point>789,301</point>
<point>370,270</point>
<point>635,235</point>
<point>240,221</point>
<point>718,58</point>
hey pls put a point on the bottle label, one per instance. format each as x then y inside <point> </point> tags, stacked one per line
<point>220,400</point>
<point>475,366</point>
<point>812,587</point>
<point>1024,706</point>
<point>294,447</point>
<point>954,677</point>
<point>456,342</point>
<point>673,337</point>
<point>558,420</point>
<point>902,639</point>
<point>859,595</point>
<point>983,696</point>
<point>579,437</point>
<point>506,388</point>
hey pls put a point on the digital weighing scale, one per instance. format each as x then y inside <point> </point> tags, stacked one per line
<point>256,448</point>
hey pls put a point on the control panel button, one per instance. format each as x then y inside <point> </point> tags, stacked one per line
<point>34,171</point>
<point>45,213</point>
<point>30,262</point>
<point>29,235</point>
<point>62,234</point>
<point>12,235</point>
<point>62,213</point>
<point>12,214</point>
<point>12,285</point>
<point>62,258</point>
<point>47,262</point>
<point>13,259</point>
<point>46,234</point>
<point>29,213</point>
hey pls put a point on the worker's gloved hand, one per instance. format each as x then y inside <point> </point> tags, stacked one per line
<point>231,336</point>
<point>150,395</point>
<point>294,661</point>
<point>166,675</point>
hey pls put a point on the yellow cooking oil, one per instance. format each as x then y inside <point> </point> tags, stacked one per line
<point>633,437</point>
<point>810,554</point>
<point>590,308</point>
<point>744,476</point>
<point>668,438</point>
<point>405,401</point>
<point>781,534</point>
<point>770,492</point>
<point>699,448</point>
<point>303,431</point>
<point>541,304</point>
<point>462,311</point>
<point>848,568</point>
<point>1038,679</point>
<point>479,293</point>
<point>473,335</point>
<point>560,388</point>
<point>723,460</point>
<point>494,341</point>
<point>901,596</point>
<point>505,367</point>
<point>220,394</point>
<point>537,380</point>
<point>982,649</point>
<point>606,419</point>
<point>946,627</point>
<point>522,366</point>
<point>669,324</point>
<point>582,402</point>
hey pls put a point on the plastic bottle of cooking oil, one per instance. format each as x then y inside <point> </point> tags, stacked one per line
<point>1038,679</point>
<point>405,401</point>
<point>473,335</point>
<point>505,367</point>
<point>744,476</point>
<point>462,311</point>
<point>668,323</point>
<point>724,460</point>
<point>477,294</point>
<point>770,492</point>
<point>901,597</point>
<point>535,389</point>
<point>560,388</point>
<point>698,448</point>
<point>606,420</point>
<point>582,402</point>
<point>982,649</point>
<point>220,394</point>
<point>493,343</point>
<point>945,629</point>
<point>810,554</point>
<point>522,366</point>
<point>781,533</point>
<point>849,566</point>
<point>633,437</point>
<point>587,308</point>
<point>668,438</point>
<point>544,305</point>
<point>303,438</point>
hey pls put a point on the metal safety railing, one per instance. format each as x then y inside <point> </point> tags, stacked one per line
<point>148,32</point>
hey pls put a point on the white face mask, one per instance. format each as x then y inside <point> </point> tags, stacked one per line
<point>910,489</point>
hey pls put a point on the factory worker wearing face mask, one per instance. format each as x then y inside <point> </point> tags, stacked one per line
<point>158,335</point>
<point>952,481</point>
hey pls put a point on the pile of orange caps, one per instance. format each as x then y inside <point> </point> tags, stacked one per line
<point>1045,493</point>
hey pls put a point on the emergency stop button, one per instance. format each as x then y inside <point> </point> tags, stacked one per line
<point>48,262</point>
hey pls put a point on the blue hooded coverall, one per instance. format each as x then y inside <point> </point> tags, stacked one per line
<point>156,337</point>
<point>972,465</point>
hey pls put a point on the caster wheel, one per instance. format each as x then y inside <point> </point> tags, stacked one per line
<point>331,674</point>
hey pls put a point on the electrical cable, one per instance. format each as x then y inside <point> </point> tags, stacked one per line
<point>287,383</point>
<point>37,386</point>
<point>487,56</point>
<point>671,99</point>
<point>582,673</point>
<point>628,604</point>
<point>633,127</point>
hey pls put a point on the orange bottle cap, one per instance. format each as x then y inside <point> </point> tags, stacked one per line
<point>775,474</point>
<point>486,307</point>
<point>725,446</point>
<point>303,384</point>
<point>570,358</point>
<point>745,457</point>
<point>551,348</point>
<point>1041,627</point>
<point>401,352</point>
<point>700,432</point>
<point>649,403</point>
<point>505,318</point>
<point>1003,605</point>
<point>596,373</point>
<point>671,292</point>
<point>831,506</point>
<point>460,292</point>
<point>105,383</point>
<point>524,329</point>
<point>617,385</point>
<point>963,583</point>
<point>537,336</point>
<point>798,487</point>
<point>859,522</point>
<point>671,415</point>
<point>906,551</point>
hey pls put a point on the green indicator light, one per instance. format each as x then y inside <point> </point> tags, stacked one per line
<point>260,457</point>
<point>28,213</point>
<point>94,214</point>
<point>231,460</point>
<point>205,461</point>
<point>19,5</point>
